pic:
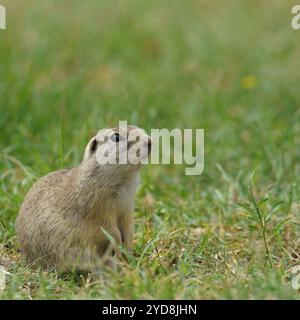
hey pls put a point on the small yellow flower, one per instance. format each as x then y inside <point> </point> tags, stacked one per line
<point>249,82</point>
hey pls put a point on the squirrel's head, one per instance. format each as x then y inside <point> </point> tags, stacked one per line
<point>126,148</point>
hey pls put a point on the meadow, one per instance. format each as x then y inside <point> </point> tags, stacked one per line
<point>68,68</point>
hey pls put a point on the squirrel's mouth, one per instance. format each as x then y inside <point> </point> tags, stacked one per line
<point>147,144</point>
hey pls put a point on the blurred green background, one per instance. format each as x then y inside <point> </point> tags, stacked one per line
<point>68,68</point>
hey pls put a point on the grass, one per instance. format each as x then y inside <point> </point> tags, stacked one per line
<point>230,67</point>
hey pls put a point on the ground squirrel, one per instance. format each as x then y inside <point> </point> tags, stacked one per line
<point>61,221</point>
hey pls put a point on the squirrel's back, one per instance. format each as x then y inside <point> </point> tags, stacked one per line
<point>41,214</point>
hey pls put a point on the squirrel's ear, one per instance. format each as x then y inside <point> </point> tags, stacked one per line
<point>93,145</point>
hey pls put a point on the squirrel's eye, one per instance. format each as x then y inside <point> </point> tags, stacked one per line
<point>115,137</point>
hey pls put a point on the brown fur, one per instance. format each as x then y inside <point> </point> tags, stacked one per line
<point>60,220</point>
